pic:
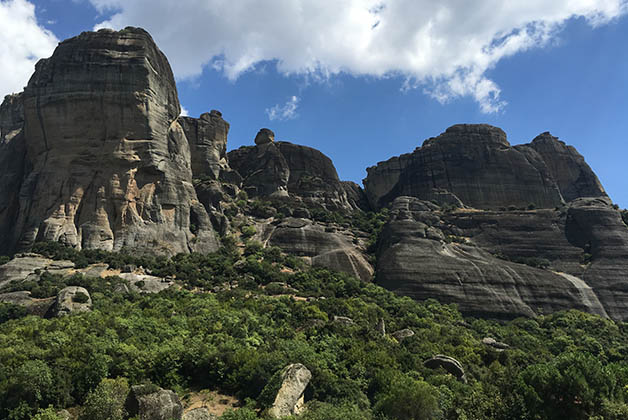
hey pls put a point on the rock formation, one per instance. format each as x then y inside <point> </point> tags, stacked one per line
<point>207,137</point>
<point>200,413</point>
<point>282,169</point>
<point>289,400</point>
<point>476,165</point>
<point>448,363</point>
<point>149,402</point>
<point>71,299</point>
<point>331,250</point>
<point>425,254</point>
<point>106,162</point>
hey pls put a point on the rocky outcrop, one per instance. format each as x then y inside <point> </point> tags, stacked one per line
<point>475,165</point>
<point>33,306</point>
<point>282,169</point>
<point>568,168</point>
<point>425,253</point>
<point>498,345</point>
<point>199,414</point>
<point>289,400</point>
<point>27,266</point>
<point>448,363</point>
<point>107,164</point>
<point>332,250</point>
<point>149,402</point>
<point>146,284</point>
<point>402,334</point>
<point>207,137</point>
<point>71,299</point>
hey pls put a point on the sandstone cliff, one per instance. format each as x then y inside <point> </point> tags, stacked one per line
<point>477,165</point>
<point>107,164</point>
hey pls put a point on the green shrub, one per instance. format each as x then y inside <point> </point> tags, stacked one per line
<point>47,414</point>
<point>106,402</point>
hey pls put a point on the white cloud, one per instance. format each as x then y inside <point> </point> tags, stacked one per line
<point>184,111</point>
<point>22,43</point>
<point>445,47</point>
<point>287,111</point>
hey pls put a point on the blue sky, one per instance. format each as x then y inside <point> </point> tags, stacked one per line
<point>341,78</point>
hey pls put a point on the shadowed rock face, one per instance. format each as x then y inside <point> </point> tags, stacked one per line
<point>477,165</point>
<point>280,169</point>
<point>107,164</point>
<point>568,168</point>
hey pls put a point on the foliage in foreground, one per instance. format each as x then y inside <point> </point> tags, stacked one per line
<point>567,365</point>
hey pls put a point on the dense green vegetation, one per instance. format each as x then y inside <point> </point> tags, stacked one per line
<point>568,365</point>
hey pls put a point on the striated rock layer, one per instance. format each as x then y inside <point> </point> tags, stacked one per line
<point>476,165</point>
<point>106,162</point>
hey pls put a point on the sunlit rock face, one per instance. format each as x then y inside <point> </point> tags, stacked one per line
<point>107,165</point>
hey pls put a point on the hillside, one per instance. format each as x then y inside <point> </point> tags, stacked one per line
<point>147,268</point>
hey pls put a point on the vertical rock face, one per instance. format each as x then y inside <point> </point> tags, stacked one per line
<point>109,163</point>
<point>12,165</point>
<point>474,163</point>
<point>572,174</point>
<point>207,136</point>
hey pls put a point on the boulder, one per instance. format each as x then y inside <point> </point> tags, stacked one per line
<point>402,334</point>
<point>448,363</point>
<point>144,283</point>
<point>343,320</point>
<point>108,162</point>
<point>200,413</point>
<point>71,299</point>
<point>491,342</point>
<point>149,402</point>
<point>290,399</point>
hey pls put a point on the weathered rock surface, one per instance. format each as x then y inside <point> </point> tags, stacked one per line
<point>289,400</point>
<point>448,363</point>
<point>207,137</point>
<point>144,283</point>
<point>32,305</point>
<point>153,404</point>
<point>26,266</point>
<point>343,320</point>
<point>417,258</point>
<point>476,165</point>
<point>71,299</point>
<point>326,249</point>
<point>107,164</point>
<point>199,414</point>
<point>402,334</point>
<point>568,168</point>
<point>280,169</point>
<point>491,342</point>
